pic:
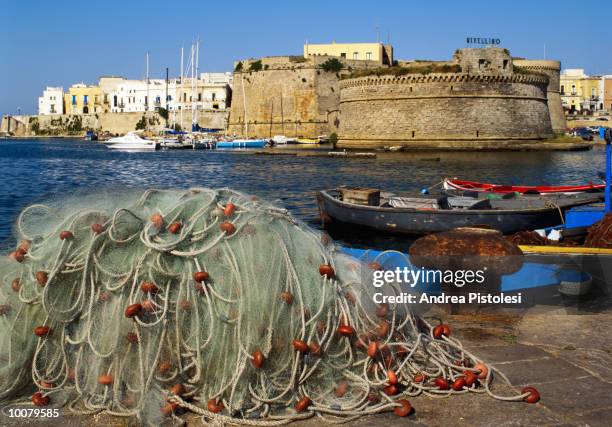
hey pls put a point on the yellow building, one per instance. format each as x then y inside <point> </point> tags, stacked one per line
<point>580,93</point>
<point>83,99</point>
<point>380,53</point>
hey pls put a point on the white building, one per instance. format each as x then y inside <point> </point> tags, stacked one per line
<point>211,91</point>
<point>51,101</point>
<point>135,95</point>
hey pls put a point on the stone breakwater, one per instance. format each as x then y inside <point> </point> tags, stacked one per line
<point>443,110</point>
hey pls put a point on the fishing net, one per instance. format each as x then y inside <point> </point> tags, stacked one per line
<point>151,303</point>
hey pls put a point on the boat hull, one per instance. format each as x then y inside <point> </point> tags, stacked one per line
<point>255,143</point>
<point>425,221</point>
<point>457,184</point>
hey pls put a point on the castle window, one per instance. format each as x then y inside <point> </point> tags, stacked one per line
<point>410,88</point>
<point>477,133</point>
<point>505,64</point>
<point>413,134</point>
<point>481,64</point>
<point>451,88</point>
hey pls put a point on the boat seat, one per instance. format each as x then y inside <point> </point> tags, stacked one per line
<point>413,202</point>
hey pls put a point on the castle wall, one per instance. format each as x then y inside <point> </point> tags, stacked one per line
<point>445,110</point>
<point>289,96</point>
<point>552,69</point>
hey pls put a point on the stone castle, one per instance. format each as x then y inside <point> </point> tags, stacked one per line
<point>483,97</point>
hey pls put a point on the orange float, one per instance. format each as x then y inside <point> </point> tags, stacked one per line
<point>391,390</point>
<point>105,379</point>
<point>375,266</point>
<point>382,329</point>
<point>391,377</point>
<point>419,378</point>
<point>16,284</point>
<point>372,349</point>
<point>177,389</point>
<point>459,384</point>
<point>157,220</point>
<point>148,305</point>
<point>132,337</point>
<point>164,367</point>
<point>169,408</point>
<point>483,370</point>
<point>470,378</point>
<point>441,330</point>
<point>314,349</point>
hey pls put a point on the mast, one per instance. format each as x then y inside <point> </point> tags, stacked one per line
<point>192,85</point>
<point>181,91</point>
<point>147,97</point>
<point>166,96</point>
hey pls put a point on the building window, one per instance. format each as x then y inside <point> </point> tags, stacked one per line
<point>593,93</point>
<point>562,90</point>
<point>355,55</point>
<point>343,55</point>
<point>214,96</point>
<point>215,106</point>
<point>73,99</point>
<point>369,56</point>
<point>199,96</point>
<point>573,89</point>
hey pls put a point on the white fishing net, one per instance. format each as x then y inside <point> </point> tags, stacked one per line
<point>150,303</point>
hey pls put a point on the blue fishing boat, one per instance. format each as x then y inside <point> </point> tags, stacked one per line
<point>243,143</point>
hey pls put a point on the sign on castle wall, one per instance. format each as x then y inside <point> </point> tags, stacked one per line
<point>483,40</point>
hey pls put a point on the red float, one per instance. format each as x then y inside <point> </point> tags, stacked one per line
<point>300,346</point>
<point>98,228</point>
<point>228,228</point>
<point>16,284</point>
<point>441,383</point>
<point>287,297</point>
<point>441,330</point>
<point>303,404</point>
<point>404,410</point>
<point>315,349</point>
<point>258,359</point>
<point>375,266</point>
<point>342,388</point>
<point>41,331</point>
<point>177,389</point>
<point>229,210</point>
<point>459,384</point>
<point>133,310</point>
<point>346,330</point>
<point>148,305</point>
<point>201,276</point>
<point>470,378</point>
<point>391,377</point>
<point>391,390</point>
<point>149,287</point>
<point>66,235</point>
<point>169,408</point>
<point>214,406</point>
<point>175,227</point>
<point>534,395</point>
<point>39,399</point>
<point>42,277</point>
<point>327,270</point>
<point>419,378</point>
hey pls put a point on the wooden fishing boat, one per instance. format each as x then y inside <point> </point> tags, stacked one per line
<point>423,215</point>
<point>458,184</point>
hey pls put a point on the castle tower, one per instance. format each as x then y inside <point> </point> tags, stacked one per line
<point>552,69</point>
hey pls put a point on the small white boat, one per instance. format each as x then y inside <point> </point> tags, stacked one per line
<point>131,141</point>
<point>282,140</point>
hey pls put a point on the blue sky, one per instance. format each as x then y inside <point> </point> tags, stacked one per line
<point>62,42</point>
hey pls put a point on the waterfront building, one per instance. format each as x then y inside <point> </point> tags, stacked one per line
<point>129,96</point>
<point>107,85</point>
<point>580,93</point>
<point>51,101</point>
<point>606,92</point>
<point>379,53</point>
<point>211,91</point>
<point>83,99</point>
